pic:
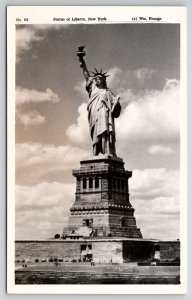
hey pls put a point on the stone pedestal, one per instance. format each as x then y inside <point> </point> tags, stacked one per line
<point>102,206</point>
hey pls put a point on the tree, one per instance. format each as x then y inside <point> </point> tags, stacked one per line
<point>57,236</point>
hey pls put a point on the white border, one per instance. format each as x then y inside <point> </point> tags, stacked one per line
<point>44,15</point>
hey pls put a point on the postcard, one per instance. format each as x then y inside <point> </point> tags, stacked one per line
<point>96,150</point>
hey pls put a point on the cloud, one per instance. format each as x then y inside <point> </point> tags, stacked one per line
<point>159,149</point>
<point>154,226</point>
<point>26,96</point>
<point>80,87</point>
<point>32,118</point>
<point>24,39</point>
<point>78,133</point>
<point>158,218</point>
<point>132,84</point>
<point>42,161</point>
<point>127,96</point>
<point>153,183</point>
<point>113,80</point>
<point>155,197</point>
<point>30,34</point>
<point>153,117</point>
<point>42,210</point>
<point>143,74</point>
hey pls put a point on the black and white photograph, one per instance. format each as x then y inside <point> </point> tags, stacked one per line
<point>97,149</point>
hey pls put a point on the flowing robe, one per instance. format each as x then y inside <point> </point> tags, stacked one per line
<point>101,121</point>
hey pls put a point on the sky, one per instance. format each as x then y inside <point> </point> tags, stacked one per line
<point>52,132</point>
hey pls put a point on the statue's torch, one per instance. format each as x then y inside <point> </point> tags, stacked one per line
<point>81,53</point>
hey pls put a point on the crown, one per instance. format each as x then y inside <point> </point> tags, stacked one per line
<point>96,73</point>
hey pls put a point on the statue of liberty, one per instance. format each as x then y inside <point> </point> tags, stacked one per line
<point>102,108</point>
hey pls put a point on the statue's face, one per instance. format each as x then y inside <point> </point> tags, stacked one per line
<point>100,81</point>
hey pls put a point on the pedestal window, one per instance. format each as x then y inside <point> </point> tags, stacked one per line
<point>90,183</point>
<point>84,183</point>
<point>96,182</point>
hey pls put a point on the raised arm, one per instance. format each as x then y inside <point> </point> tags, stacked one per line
<point>81,53</point>
<point>85,70</point>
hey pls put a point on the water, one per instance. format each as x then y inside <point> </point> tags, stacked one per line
<point>24,277</point>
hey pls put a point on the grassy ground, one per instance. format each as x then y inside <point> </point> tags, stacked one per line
<point>131,268</point>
